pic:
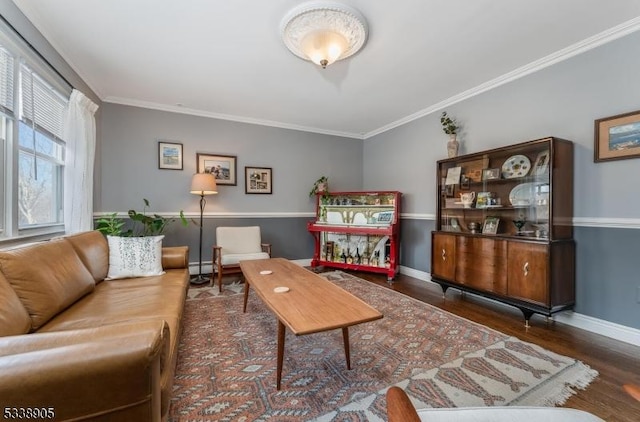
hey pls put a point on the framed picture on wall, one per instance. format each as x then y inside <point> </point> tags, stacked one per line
<point>223,167</point>
<point>617,137</point>
<point>169,155</point>
<point>258,180</point>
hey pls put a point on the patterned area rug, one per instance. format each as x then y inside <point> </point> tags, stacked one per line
<point>227,362</point>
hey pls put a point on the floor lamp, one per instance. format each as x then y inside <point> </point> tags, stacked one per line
<point>202,184</point>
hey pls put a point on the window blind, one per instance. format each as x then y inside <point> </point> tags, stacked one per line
<point>6,81</point>
<point>41,105</point>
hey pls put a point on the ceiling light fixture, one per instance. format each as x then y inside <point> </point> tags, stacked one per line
<point>324,32</point>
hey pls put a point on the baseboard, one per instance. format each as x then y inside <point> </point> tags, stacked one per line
<point>594,325</point>
<point>207,268</point>
<point>600,326</point>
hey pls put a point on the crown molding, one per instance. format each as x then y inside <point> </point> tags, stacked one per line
<point>229,117</point>
<point>583,46</point>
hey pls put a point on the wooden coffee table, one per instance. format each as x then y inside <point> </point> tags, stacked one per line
<point>311,305</point>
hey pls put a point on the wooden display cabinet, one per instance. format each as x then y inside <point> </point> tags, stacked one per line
<point>358,231</point>
<point>504,225</point>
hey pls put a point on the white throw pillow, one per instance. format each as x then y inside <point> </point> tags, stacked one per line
<point>134,256</point>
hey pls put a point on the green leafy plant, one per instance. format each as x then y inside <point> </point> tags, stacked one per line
<point>449,125</point>
<point>151,225</point>
<point>322,181</point>
<point>110,225</point>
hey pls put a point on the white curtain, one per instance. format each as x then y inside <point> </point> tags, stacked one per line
<point>79,133</point>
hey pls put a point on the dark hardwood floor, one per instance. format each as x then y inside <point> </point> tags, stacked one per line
<point>618,363</point>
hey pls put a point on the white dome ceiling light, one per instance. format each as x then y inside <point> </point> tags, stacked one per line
<point>324,32</point>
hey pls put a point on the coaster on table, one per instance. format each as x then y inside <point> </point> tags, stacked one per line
<point>266,272</point>
<point>281,289</point>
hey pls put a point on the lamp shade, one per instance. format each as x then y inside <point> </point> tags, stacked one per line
<point>203,184</point>
<point>324,47</point>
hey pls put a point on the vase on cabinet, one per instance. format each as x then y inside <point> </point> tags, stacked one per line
<point>452,146</point>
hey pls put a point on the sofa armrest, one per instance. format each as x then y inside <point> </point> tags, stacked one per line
<point>111,372</point>
<point>175,257</point>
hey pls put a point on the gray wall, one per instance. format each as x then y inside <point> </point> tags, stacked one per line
<point>562,100</point>
<point>130,172</point>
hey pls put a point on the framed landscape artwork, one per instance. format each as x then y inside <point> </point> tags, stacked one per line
<point>258,180</point>
<point>617,137</point>
<point>223,167</point>
<point>169,155</point>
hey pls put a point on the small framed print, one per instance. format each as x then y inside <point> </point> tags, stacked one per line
<point>490,225</point>
<point>455,226</point>
<point>223,167</point>
<point>169,155</point>
<point>490,174</point>
<point>258,180</point>
<point>453,176</point>
<point>465,182</point>
<point>449,191</point>
<point>617,137</point>
<point>542,164</point>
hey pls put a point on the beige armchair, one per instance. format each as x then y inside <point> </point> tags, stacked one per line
<point>235,244</point>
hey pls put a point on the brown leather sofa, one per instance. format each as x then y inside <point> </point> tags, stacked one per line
<point>83,348</point>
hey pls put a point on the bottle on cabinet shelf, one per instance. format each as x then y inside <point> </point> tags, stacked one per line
<point>376,258</point>
<point>358,259</point>
<point>349,259</point>
<point>387,253</point>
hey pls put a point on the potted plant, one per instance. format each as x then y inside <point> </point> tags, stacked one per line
<point>110,225</point>
<point>320,186</point>
<point>154,225</point>
<point>450,127</point>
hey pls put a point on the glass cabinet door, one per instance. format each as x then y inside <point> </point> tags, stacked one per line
<point>504,192</point>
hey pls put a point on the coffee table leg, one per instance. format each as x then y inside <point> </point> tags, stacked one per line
<point>347,354</point>
<point>246,294</point>
<point>280,353</point>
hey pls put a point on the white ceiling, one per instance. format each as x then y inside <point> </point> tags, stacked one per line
<point>225,58</point>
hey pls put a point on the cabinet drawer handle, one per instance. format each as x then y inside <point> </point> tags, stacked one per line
<point>444,255</point>
<point>525,269</point>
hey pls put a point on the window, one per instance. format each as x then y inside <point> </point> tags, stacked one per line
<point>32,150</point>
<point>41,153</point>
